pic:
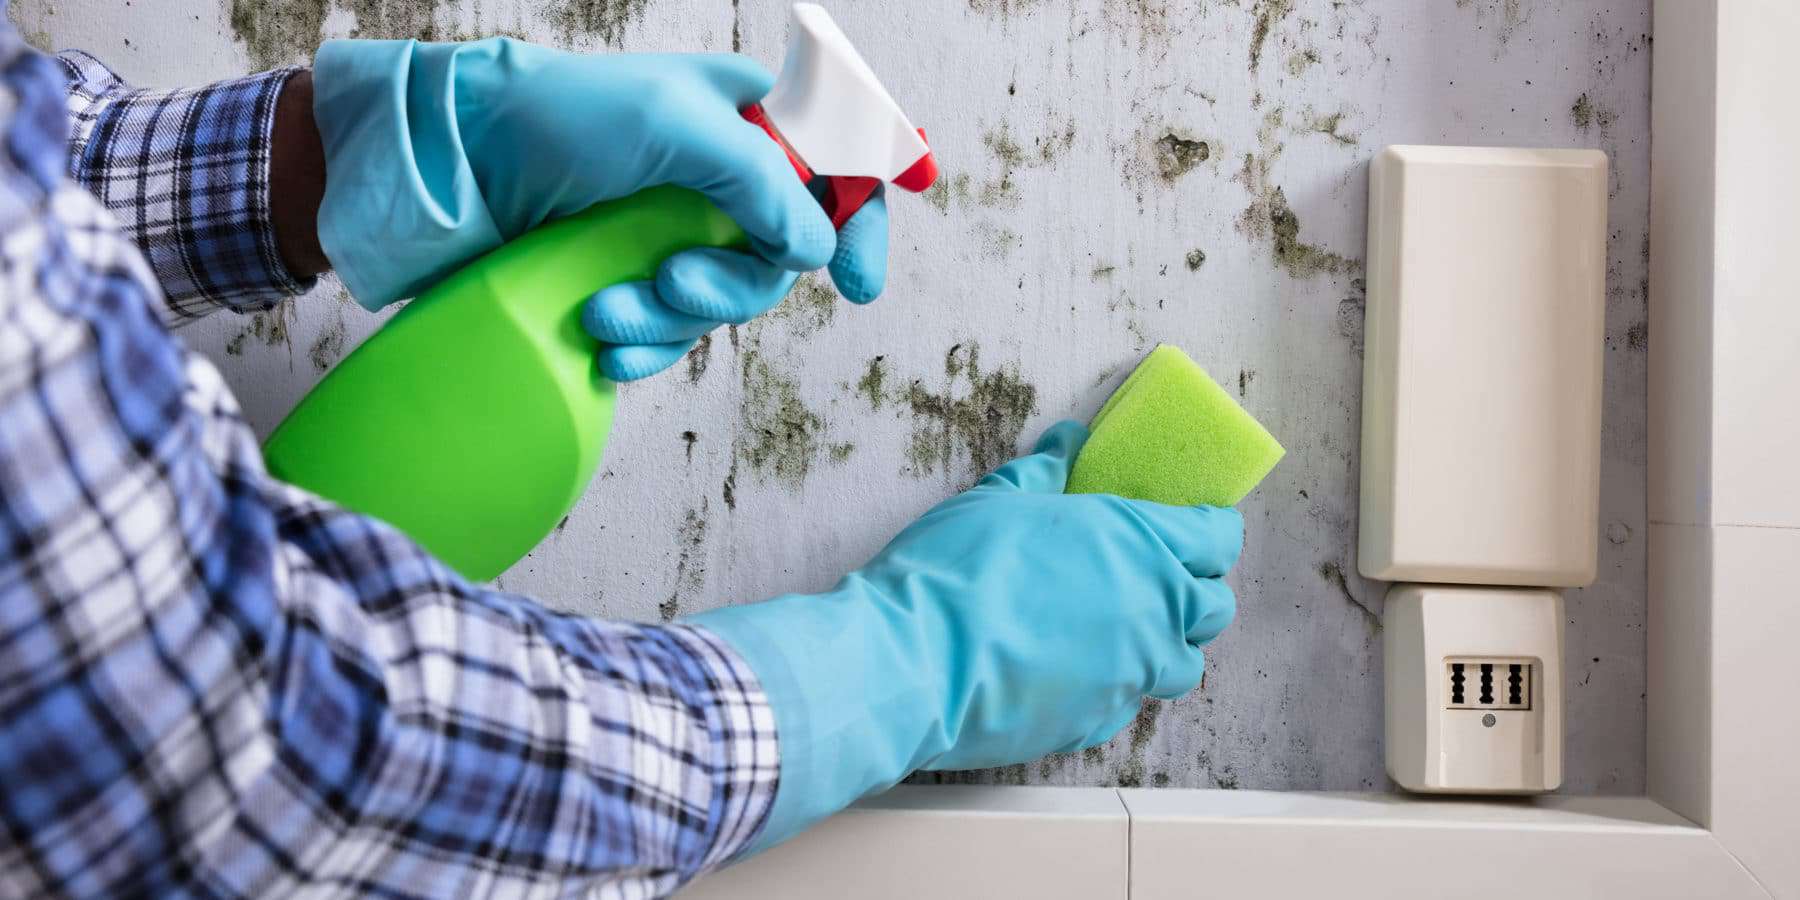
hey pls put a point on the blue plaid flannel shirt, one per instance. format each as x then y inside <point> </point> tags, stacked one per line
<point>213,684</point>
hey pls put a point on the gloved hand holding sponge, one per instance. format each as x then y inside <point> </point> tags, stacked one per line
<point>1029,615</point>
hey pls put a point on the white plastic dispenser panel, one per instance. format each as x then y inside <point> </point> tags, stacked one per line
<point>1474,688</point>
<point>1481,371</point>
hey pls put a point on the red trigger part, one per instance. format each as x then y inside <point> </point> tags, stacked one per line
<point>845,194</point>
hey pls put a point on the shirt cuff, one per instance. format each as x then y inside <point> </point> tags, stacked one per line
<point>742,728</point>
<point>186,174</point>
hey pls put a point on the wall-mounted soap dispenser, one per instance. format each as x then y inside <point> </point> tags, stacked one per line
<point>1481,449</point>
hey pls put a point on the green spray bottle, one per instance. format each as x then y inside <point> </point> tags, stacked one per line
<point>475,418</point>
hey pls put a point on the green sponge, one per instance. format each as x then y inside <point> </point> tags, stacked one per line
<point>1169,434</point>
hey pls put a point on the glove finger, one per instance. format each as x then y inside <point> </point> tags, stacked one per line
<point>1180,675</point>
<point>1046,469</point>
<point>740,79</point>
<point>630,313</point>
<point>748,176</point>
<point>1206,539</point>
<point>721,285</point>
<point>1207,609</point>
<point>859,265</point>
<point>630,362</point>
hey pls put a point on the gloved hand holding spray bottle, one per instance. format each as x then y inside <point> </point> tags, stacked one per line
<point>475,419</point>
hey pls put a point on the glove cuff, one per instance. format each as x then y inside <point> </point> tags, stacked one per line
<point>401,207</point>
<point>855,710</point>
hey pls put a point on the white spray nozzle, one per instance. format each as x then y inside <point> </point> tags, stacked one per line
<point>834,114</point>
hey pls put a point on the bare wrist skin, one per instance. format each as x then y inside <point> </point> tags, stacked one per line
<point>297,179</point>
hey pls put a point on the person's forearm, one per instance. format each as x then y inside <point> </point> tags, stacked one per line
<point>297,179</point>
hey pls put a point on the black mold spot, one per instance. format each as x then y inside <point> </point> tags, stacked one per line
<point>779,436</point>
<point>1195,259</point>
<point>698,357</point>
<point>737,28</point>
<point>690,438</point>
<point>1637,337</point>
<point>1334,576</point>
<point>728,489</point>
<point>1245,376</point>
<point>690,564</point>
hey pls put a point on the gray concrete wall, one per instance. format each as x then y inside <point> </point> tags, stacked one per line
<point>1117,174</point>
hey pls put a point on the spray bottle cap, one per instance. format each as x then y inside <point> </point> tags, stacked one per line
<point>831,114</point>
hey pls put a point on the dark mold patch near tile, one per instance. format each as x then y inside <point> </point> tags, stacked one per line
<point>603,19</point>
<point>690,562</point>
<point>1177,155</point>
<point>1270,218</point>
<point>1350,316</point>
<point>1334,576</point>
<point>1265,15</point>
<point>1195,259</point>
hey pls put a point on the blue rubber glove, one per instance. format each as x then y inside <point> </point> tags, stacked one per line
<point>437,153</point>
<point>647,325</point>
<point>1008,622</point>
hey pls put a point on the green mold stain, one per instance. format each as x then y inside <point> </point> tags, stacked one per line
<point>970,426</point>
<point>949,189</point>
<point>870,386</point>
<point>329,347</point>
<point>1331,126</point>
<point>809,307</point>
<point>779,437</point>
<point>1195,259</point>
<point>602,19</point>
<point>1176,155</point>
<point>1265,15</point>
<point>277,32</point>
<point>1013,156</point>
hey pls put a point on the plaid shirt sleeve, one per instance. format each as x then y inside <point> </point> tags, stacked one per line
<point>213,684</point>
<point>186,175</point>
